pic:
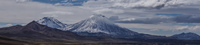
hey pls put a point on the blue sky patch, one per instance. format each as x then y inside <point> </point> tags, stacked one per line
<point>1,23</point>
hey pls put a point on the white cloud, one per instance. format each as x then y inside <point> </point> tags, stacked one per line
<point>7,25</point>
<point>98,3</point>
<point>57,13</point>
<point>143,8</point>
<point>191,28</point>
<point>14,12</point>
<point>127,19</point>
<point>64,4</point>
<point>107,10</point>
<point>140,3</point>
<point>65,1</point>
<point>137,9</point>
<point>22,0</point>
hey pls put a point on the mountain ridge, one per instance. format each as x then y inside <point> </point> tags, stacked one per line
<point>187,36</point>
<point>51,22</point>
<point>99,25</point>
<point>37,32</point>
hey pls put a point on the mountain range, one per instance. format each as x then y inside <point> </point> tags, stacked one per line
<point>96,29</point>
<point>35,31</point>
<point>96,25</point>
<point>100,25</point>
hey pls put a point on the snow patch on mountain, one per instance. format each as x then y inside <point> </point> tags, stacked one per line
<point>99,24</point>
<point>51,22</point>
<point>92,24</point>
<point>187,36</point>
<point>96,25</point>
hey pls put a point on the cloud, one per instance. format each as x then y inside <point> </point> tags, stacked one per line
<point>187,19</point>
<point>188,28</point>
<point>64,4</point>
<point>6,25</point>
<point>22,0</point>
<point>151,27</point>
<point>142,13</point>
<point>146,21</point>
<point>162,27</point>
<point>107,10</point>
<point>143,8</point>
<point>98,3</point>
<point>153,4</point>
<point>15,12</point>
<point>129,13</point>
<point>57,13</point>
<point>158,20</point>
<point>114,18</point>
<point>148,4</point>
<point>140,3</point>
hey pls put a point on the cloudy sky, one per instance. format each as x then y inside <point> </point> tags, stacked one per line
<point>157,17</point>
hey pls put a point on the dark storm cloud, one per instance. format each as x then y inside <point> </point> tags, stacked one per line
<point>180,10</point>
<point>176,19</point>
<point>187,19</point>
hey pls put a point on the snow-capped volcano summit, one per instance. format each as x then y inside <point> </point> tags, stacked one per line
<point>100,25</point>
<point>51,22</point>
